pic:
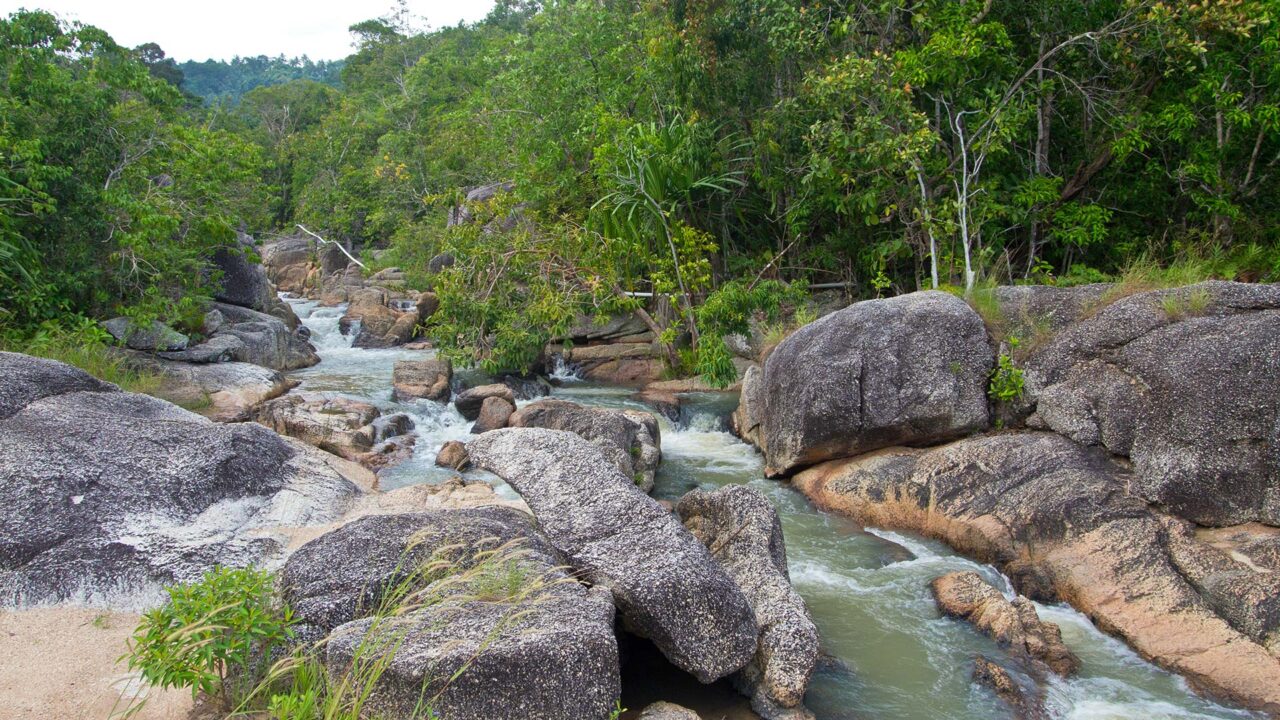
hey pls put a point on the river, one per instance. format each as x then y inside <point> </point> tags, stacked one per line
<point>892,656</point>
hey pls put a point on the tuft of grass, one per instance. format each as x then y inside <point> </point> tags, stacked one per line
<point>1179,305</point>
<point>983,300</point>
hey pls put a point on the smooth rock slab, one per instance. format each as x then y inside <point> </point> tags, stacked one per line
<point>664,582</point>
<point>106,495</point>
<point>1058,519</point>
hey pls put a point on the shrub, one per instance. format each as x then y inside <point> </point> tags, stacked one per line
<point>1006,381</point>
<point>211,634</point>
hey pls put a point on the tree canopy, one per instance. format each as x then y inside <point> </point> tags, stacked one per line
<point>717,152</point>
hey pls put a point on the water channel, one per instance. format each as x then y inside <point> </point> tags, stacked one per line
<point>891,655</point>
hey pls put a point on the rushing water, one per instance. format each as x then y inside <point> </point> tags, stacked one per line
<point>892,656</point>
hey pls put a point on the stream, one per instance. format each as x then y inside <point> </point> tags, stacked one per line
<point>893,657</point>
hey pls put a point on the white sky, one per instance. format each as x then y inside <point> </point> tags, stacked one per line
<point>220,29</point>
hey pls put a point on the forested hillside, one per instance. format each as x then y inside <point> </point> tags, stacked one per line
<point>228,80</point>
<point>723,153</point>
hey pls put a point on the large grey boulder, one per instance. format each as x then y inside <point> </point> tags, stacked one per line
<point>243,282</point>
<point>630,439</point>
<point>1184,382</point>
<point>28,379</point>
<point>105,495</point>
<point>748,417</point>
<point>265,339</point>
<point>907,370</point>
<point>156,337</point>
<point>1028,311</point>
<point>666,585</point>
<point>741,529</point>
<point>522,637</point>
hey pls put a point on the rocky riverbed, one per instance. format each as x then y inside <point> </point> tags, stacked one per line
<point>1116,503</point>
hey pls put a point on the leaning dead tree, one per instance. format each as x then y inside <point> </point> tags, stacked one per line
<point>327,242</point>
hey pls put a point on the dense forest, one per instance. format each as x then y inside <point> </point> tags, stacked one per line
<point>724,153</point>
<point>227,81</point>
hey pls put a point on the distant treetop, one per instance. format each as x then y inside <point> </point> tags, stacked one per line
<point>228,80</point>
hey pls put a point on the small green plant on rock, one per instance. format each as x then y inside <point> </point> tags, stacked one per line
<point>1006,381</point>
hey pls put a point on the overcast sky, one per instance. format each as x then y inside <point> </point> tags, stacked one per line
<point>220,29</point>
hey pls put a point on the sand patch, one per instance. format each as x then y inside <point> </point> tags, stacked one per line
<point>60,663</point>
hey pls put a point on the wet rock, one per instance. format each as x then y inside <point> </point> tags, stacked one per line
<point>740,528</point>
<point>911,369</point>
<point>515,641</point>
<point>664,582</point>
<point>429,379</point>
<point>453,454</point>
<point>1184,383</point>
<point>1057,518</point>
<point>347,428</point>
<point>666,404</point>
<point>1014,625</point>
<point>1026,703</point>
<point>629,439</point>
<point>748,416</point>
<point>667,711</point>
<point>527,387</point>
<point>494,414</point>
<point>381,326</point>
<point>107,495</point>
<point>470,401</point>
<point>264,339</point>
<point>615,363</point>
<point>157,337</point>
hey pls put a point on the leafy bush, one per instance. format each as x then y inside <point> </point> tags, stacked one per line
<point>1007,380</point>
<point>212,634</point>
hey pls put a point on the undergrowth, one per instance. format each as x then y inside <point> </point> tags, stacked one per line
<point>227,636</point>
<point>81,342</point>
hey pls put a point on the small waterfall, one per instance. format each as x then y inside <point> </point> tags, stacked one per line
<point>563,371</point>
